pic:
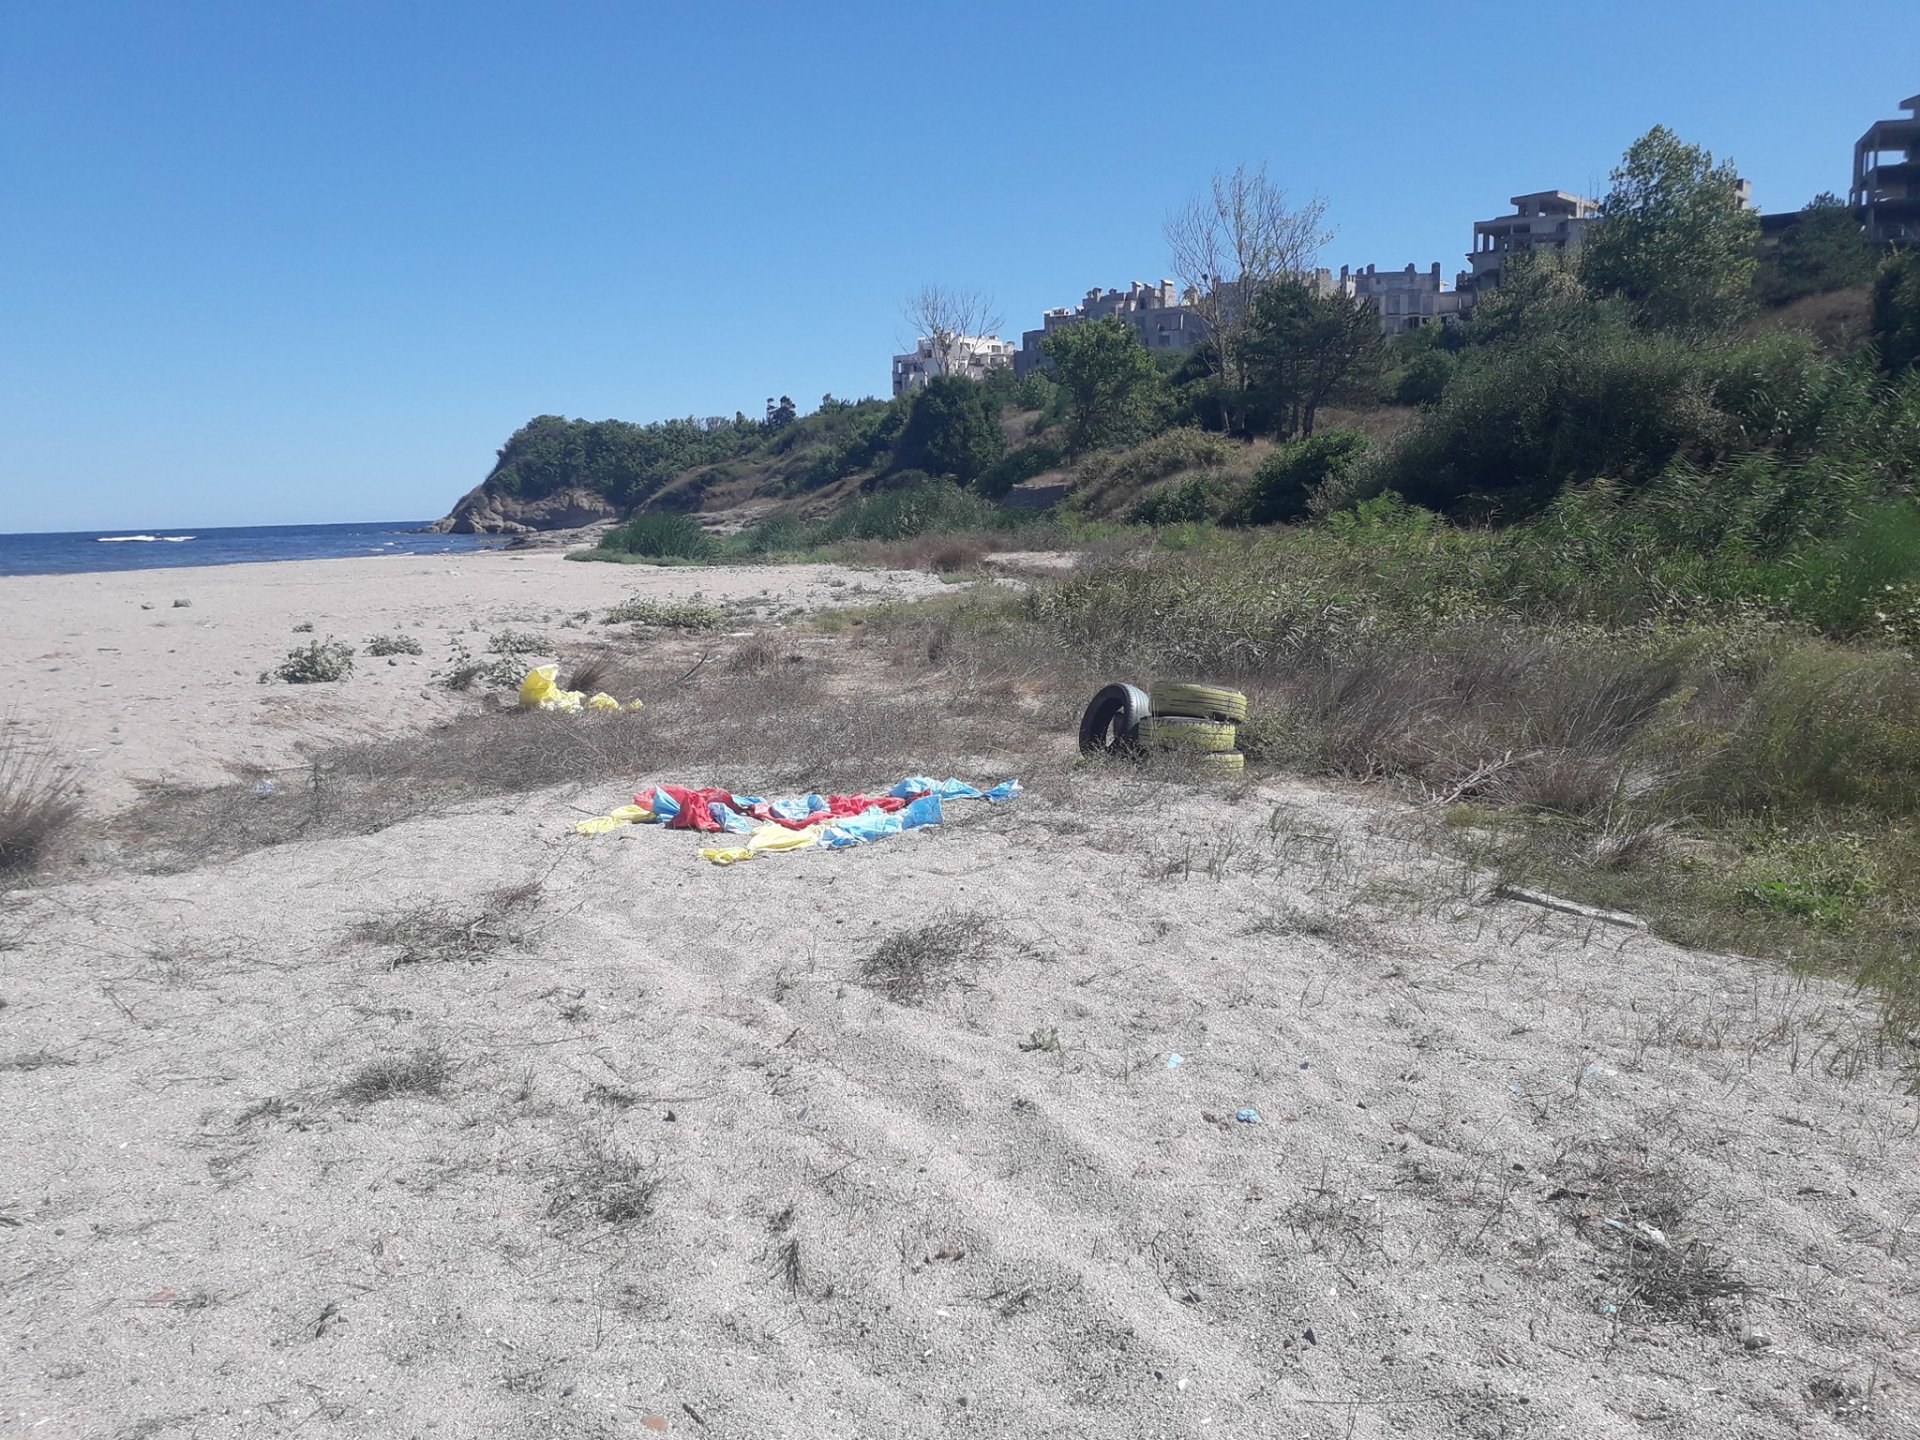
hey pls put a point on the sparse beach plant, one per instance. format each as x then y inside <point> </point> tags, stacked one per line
<point>317,663</point>
<point>393,645</point>
<point>39,801</point>
<point>667,614</point>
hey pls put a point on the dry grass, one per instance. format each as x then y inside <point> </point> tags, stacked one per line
<point>438,931</point>
<point>421,1071</point>
<point>913,965</point>
<point>604,1185</point>
<point>39,803</point>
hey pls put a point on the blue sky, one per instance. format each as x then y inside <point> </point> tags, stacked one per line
<point>267,263</point>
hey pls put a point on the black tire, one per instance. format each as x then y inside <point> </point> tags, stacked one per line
<point>1111,723</point>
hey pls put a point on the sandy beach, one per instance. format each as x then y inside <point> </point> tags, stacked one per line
<point>139,690</point>
<point>1211,1110</point>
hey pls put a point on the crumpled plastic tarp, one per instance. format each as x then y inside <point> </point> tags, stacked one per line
<point>541,691</point>
<point>828,822</point>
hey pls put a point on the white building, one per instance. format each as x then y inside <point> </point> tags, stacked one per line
<point>971,356</point>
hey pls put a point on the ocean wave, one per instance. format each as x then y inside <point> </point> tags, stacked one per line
<point>150,539</point>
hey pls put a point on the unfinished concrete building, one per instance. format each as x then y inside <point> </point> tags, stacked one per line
<point>1886,178</point>
<point>1407,299</point>
<point>972,357</point>
<point>1554,220</point>
<point>1164,320</point>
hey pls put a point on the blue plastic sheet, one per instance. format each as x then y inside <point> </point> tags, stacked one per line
<point>874,825</point>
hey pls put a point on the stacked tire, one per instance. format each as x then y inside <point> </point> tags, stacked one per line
<point>1201,721</point>
<point>1198,721</point>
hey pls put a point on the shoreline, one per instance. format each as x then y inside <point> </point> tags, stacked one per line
<point>136,689</point>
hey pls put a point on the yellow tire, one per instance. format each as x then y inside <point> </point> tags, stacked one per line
<point>1180,732</point>
<point>1201,702</point>
<point>1228,762</point>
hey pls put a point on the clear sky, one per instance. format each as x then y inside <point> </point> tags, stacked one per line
<point>270,263</point>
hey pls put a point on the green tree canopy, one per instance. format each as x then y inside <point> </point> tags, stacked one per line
<point>1671,238</point>
<point>1108,378</point>
<point>1896,312</point>
<point>1305,349</point>
<point>952,430</point>
<point>1822,250</point>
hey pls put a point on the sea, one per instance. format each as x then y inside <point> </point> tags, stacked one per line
<point>165,547</point>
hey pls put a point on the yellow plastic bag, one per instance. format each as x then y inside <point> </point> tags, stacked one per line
<point>767,838</point>
<point>603,701</point>
<point>541,691</point>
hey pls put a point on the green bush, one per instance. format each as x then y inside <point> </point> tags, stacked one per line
<point>917,509</point>
<point>393,645</point>
<point>1017,465</point>
<point>1287,479</point>
<point>1190,501</point>
<point>950,431</point>
<point>1896,312</point>
<point>1165,454</point>
<point>775,535</point>
<point>318,663</point>
<point>1525,418</point>
<point>661,535</point>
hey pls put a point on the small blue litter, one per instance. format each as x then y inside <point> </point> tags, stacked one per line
<point>1247,1115</point>
<point>265,787</point>
<point>1173,1061</point>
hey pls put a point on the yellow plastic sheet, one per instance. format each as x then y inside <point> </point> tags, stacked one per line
<point>541,691</point>
<point>614,819</point>
<point>773,838</point>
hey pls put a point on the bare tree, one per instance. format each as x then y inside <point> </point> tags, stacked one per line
<point>944,316</point>
<point>1228,245</point>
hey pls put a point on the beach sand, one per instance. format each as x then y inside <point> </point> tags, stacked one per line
<point>138,691</point>
<point>474,1126</point>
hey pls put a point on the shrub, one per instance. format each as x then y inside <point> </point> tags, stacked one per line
<point>1195,499</point>
<point>393,645</point>
<point>775,535</point>
<point>320,662</point>
<point>1287,479</point>
<point>1896,312</point>
<point>913,510</point>
<point>951,430</point>
<point>1163,455</point>
<point>1527,417</point>
<point>661,536</point>
<point>1015,466</point>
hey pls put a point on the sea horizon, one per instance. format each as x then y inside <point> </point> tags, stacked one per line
<point>160,547</point>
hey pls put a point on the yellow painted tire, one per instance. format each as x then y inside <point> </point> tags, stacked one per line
<point>1201,702</point>
<point>1230,762</point>
<point>1180,732</point>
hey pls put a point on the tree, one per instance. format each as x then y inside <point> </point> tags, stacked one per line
<point>944,317</point>
<point>1229,244</point>
<point>781,415</point>
<point>1672,238</point>
<point>1304,349</point>
<point>1896,312</point>
<point>1822,250</point>
<point>951,430</point>
<point>1108,379</point>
